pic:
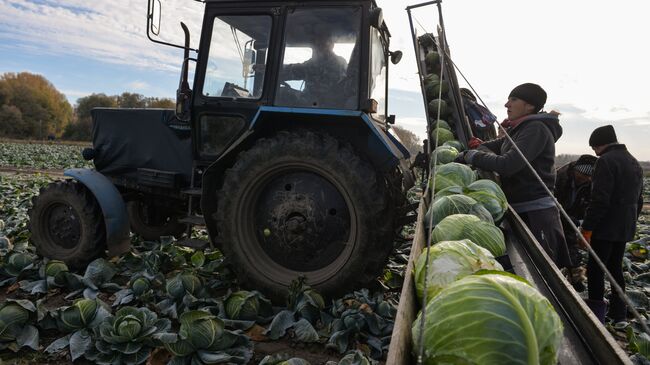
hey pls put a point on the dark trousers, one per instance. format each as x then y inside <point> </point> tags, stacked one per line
<point>611,254</point>
<point>547,229</point>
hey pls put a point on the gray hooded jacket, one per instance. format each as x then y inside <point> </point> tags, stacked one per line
<point>535,136</point>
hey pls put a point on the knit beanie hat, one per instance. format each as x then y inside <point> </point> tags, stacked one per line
<point>584,169</point>
<point>602,136</point>
<point>533,94</point>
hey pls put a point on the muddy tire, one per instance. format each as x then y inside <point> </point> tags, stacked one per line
<point>151,223</point>
<point>304,204</point>
<point>67,224</point>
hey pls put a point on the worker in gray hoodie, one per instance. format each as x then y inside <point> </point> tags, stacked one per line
<point>535,133</point>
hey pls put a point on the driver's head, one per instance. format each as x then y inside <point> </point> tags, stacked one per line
<point>323,40</point>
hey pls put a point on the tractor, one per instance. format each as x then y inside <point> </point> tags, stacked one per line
<point>280,147</point>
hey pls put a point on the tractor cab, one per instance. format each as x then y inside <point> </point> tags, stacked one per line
<point>311,55</point>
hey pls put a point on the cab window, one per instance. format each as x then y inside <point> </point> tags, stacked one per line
<point>237,56</point>
<point>320,65</point>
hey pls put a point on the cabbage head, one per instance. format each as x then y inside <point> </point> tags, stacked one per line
<point>448,262</point>
<point>434,89</point>
<point>16,330</point>
<point>442,134</point>
<point>438,104</point>
<point>432,59</point>
<point>456,204</point>
<point>441,123</point>
<point>182,284</point>
<point>453,174</point>
<point>455,144</point>
<point>490,319</point>
<point>203,339</point>
<point>444,155</point>
<point>467,226</point>
<point>128,337</point>
<point>247,306</point>
<point>489,193</point>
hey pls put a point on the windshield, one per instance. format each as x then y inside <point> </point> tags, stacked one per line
<point>378,73</point>
<point>237,56</point>
<point>320,66</point>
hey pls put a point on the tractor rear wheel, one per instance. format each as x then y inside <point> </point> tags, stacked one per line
<point>304,204</point>
<point>67,224</point>
<point>151,222</point>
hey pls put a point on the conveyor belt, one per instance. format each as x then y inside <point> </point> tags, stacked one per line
<point>586,341</point>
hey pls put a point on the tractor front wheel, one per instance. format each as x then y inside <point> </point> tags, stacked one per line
<point>304,204</point>
<point>67,224</point>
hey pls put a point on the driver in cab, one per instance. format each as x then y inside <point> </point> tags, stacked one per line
<point>320,74</point>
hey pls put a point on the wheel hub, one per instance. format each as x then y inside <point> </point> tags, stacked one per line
<point>63,225</point>
<point>302,221</point>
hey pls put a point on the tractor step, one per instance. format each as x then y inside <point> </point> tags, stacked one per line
<point>193,220</point>
<point>194,243</point>
<point>192,192</point>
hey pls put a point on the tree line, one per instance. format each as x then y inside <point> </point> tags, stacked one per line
<point>32,108</point>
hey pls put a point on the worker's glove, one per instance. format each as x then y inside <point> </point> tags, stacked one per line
<point>586,235</point>
<point>465,157</point>
<point>474,142</point>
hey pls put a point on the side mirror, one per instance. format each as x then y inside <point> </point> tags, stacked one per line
<point>376,18</point>
<point>154,14</point>
<point>395,57</point>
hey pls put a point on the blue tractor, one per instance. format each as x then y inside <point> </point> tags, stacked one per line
<point>281,148</point>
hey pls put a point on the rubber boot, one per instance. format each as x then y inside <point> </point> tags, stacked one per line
<point>599,308</point>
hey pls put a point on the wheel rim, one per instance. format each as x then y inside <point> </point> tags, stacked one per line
<point>297,220</point>
<point>63,226</point>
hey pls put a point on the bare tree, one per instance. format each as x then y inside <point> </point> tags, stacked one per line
<point>409,139</point>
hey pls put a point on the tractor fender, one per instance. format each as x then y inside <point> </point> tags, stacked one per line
<point>116,218</point>
<point>366,135</point>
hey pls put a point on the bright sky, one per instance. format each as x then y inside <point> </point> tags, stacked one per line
<point>590,56</point>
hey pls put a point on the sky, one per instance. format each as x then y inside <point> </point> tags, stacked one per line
<point>591,56</point>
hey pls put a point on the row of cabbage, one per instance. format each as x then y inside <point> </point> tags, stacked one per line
<point>45,155</point>
<point>475,313</point>
<point>172,298</point>
<point>164,297</point>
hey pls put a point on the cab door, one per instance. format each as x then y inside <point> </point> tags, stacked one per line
<point>233,68</point>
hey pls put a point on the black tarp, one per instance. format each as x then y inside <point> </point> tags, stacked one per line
<point>128,139</point>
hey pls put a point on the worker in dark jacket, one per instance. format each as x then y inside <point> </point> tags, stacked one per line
<point>610,221</point>
<point>572,190</point>
<point>535,134</point>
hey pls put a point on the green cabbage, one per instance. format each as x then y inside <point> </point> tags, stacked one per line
<point>436,104</point>
<point>488,193</point>
<point>455,144</point>
<point>456,204</point>
<point>467,226</point>
<point>442,135</point>
<point>433,89</point>
<point>247,305</point>
<point>441,123</point>
<point>448,262</point>
<point>453,174</point>
<point>444,154</point>
<point>432,59</point>
<point>489,319</point>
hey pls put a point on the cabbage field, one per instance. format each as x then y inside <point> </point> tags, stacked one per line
<point>162,302</point>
